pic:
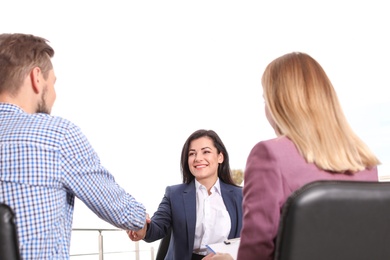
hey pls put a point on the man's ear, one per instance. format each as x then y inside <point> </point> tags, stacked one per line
<point>36,78</point>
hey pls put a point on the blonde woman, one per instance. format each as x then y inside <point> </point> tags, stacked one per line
<point>314,142</point>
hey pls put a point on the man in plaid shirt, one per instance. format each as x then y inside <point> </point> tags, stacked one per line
<point>46,161</point>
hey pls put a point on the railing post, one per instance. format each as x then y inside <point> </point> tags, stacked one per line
<point>152,253</point>
<point>136,250</point>
<point>101,253</point>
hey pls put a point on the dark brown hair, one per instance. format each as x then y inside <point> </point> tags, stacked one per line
<point>224,171</point>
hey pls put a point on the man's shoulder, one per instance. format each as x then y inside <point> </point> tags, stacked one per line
<point>53,121</point>
<point>53,127</point>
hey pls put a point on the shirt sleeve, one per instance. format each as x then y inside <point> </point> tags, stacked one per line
<point>88,180</point>
<point>262,199</point>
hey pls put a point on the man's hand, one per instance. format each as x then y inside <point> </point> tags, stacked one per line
<point>140,234</point>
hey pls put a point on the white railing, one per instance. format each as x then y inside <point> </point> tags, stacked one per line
<point>88,243</point>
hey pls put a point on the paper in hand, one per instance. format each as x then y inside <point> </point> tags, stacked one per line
<point>229,246</point>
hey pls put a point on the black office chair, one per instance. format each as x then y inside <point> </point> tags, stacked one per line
<point>9,245</point>
<point>163,246</point>
<point>336,220</point>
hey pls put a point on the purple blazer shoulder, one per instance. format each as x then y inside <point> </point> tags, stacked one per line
<point>274,170</point>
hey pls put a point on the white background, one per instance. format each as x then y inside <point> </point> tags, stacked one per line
<point>139,77</point>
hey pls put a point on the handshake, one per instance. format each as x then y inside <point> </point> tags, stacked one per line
<point>140,234</point>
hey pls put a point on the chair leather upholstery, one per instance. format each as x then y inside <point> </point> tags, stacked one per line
<point>9,247</point>
<point>336,220</point>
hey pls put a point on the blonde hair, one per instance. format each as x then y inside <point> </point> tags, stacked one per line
<point>305,108</point>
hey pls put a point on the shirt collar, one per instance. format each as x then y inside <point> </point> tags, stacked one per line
<point>216,187</point>
<point>7,107</point>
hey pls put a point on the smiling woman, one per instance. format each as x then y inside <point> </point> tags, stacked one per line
<point>207,205</point>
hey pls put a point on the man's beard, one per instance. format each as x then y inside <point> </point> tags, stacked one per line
<point>42,107</point>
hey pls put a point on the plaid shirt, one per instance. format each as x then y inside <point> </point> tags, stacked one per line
<point>45,162</point>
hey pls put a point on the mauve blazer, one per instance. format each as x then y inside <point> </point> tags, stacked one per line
<point>178,211</point>
<point>274,170</point>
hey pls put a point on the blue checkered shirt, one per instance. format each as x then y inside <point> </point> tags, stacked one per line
<point>45,162</point>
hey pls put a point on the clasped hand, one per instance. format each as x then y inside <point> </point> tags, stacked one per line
<point>140,234</point>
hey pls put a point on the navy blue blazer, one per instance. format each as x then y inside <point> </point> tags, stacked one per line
<point>177,210</point>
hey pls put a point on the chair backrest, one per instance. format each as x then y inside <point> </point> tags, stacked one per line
<point>163,246</point>
<point>9,246</point>
<point>337,220</point>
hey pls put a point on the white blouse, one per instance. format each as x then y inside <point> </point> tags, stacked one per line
<point>213,222</point>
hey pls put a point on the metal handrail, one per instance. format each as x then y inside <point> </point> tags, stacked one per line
<point>101,252</point>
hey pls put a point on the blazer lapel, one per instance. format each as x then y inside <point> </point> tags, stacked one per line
<point>189,199</point>
<point>230,203</point>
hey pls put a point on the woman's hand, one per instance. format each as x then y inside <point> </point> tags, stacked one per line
<point>140,234</point>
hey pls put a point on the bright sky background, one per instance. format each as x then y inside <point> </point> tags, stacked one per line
<point>139,77</point>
